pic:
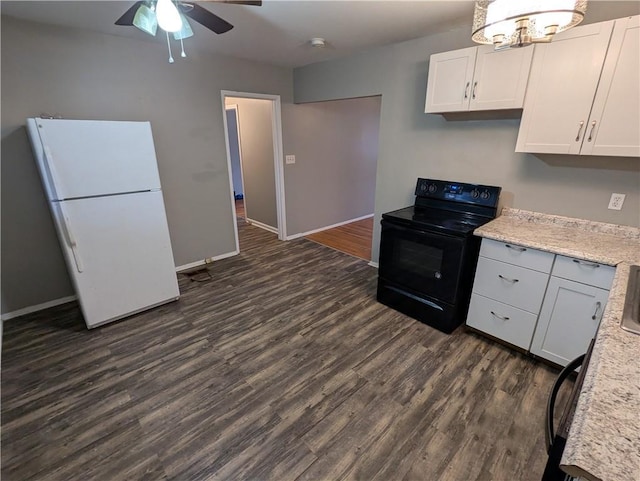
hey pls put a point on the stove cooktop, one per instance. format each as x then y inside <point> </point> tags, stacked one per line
<point>437,220</point>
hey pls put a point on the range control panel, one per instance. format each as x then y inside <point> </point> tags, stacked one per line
<point>485,195</point>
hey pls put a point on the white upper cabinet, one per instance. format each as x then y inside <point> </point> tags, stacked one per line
<point>614,126</point>
<point>500,78</point>
<point>477,78</point>
<point>449,81</point>
<point>583,95</point>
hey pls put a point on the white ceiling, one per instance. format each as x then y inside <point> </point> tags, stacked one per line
<point>279,31</point>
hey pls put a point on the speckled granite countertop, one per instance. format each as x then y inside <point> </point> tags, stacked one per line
<point>604,438</point>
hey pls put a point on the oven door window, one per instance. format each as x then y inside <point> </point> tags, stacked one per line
<point>424,262</point>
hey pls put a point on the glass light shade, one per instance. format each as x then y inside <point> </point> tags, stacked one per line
<point>145,20</point>
<point>185,31</point>
<point>516,23</point>
<point>168,16</point>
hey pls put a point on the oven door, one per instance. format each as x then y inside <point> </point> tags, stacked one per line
<point>425,262</point>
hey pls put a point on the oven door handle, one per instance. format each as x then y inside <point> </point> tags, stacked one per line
<point>387,224</point>
<point>551,404</point>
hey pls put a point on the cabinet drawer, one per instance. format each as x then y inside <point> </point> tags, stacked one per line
<point>590,273</point>
<point>508,323</point>
<point>513,285</point>
<point>517,255</point>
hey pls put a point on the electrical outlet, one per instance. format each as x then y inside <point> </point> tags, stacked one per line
<point>290,159</point>
<point>616,201</point>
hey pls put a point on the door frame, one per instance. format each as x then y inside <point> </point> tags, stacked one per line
<point>276,127</point>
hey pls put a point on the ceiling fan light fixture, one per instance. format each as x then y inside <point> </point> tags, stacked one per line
<point>145,20</point>
<point>509,23</point>
<point>168,16</point>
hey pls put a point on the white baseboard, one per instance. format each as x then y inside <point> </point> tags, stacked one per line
<point>261,225</point>
<point>37,307</point>
<point>191,265</point>
<point>297,236</point>
<point>374,264</point>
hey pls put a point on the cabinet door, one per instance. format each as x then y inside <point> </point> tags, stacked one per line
<point>614,127</point>
<point>562,85</point>
<point>501,321</point>
<point>513,285</point>
<point>569,319</point>
<point>449,82</point>
<point>500,78</point>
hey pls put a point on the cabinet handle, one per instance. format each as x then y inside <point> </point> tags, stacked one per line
<point>519,249</point>
<point>579,131</point>
<point>473,92</point>
<point>593,126</point>
<point>505,318</point>
<point>595,314</point>
<point>513,281</point>
<point>587,264</point>
<point>466,90</point>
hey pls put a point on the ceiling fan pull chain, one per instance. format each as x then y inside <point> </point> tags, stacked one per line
<point>182,54</point>
<point>169,47</point>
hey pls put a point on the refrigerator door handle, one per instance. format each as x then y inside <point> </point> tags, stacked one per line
<point>51,167</point>
<point>68,232</point>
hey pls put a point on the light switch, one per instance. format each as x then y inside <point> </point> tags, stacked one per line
<point>290,159</point>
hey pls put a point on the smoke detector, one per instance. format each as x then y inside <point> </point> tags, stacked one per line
<point>318,42</point>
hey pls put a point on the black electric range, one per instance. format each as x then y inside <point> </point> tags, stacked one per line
<point>428,253</point>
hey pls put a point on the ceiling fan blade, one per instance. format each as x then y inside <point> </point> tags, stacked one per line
<point>207,19</point>
<point>127,18</point>
<point>254,3</point>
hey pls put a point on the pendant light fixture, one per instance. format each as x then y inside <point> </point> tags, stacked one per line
<point>517,23</point>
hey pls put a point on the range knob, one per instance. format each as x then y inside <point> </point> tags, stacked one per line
<point>475,193</point>
<point>433,188</point>
<point>485,195</point>
<point>423,187</point>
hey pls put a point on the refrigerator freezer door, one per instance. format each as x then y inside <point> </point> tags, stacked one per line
<point>85,158</point>
<point>126,259</point>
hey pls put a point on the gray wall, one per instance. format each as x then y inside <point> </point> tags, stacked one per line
<point>258,167</point>
<point>336,149</point>
<point>414,144</point>
<point>93,76</point>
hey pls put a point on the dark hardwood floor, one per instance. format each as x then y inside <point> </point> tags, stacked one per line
<point>282,366</point>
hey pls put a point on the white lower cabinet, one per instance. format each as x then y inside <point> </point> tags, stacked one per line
<point>568,320</point>
<point>503,321</point>
<point>547,304</point>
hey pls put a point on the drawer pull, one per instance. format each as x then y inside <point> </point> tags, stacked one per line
<point>515,248</point>
<point>513,281</point>
<point>505,318</point>
<point>587,264</point>
<point>595,314</point>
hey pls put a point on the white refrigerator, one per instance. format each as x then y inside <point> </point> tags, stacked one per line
<point>101,181</point>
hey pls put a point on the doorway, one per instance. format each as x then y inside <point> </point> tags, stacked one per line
<point>253,136</point>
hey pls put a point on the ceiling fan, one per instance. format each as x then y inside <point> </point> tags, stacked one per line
<point>171,16</point>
